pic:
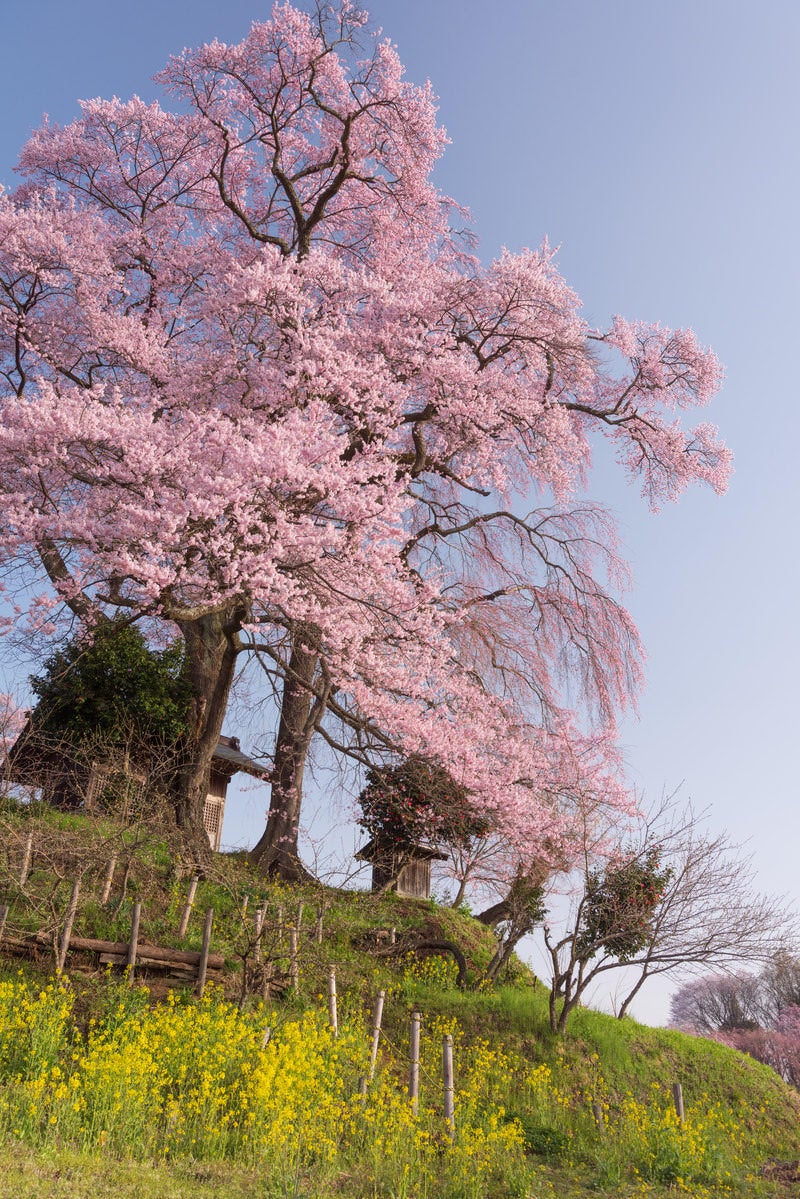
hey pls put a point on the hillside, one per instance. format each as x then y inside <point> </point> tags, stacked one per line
<point>108,1088</point>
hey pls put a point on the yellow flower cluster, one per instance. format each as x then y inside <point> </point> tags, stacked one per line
<point>204,1080</point>
<point>34,1026</point>
<point>645,1140</point>
<point>434,971</point>
<point>198,1079</point>
<point>703,1149</point>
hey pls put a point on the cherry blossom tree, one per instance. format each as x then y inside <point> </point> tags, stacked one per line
<point>257,389</point>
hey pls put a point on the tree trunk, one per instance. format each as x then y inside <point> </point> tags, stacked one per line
<point>629,998</point>
<point>524,894</point>
<point>569,999</point>
<point>277,852</point>
<point>552,1008</point>
<point>505,948</point>
<point>462,890</point>
<point>211,645</point>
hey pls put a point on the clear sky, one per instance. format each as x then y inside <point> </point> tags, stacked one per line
<point>653,143</point>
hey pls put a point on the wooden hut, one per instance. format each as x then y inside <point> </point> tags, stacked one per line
<point>406,870</point>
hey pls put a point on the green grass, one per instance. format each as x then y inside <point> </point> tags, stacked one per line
<point>64,1174</point>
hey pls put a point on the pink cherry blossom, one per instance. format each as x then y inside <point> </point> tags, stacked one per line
<point>256,387</point>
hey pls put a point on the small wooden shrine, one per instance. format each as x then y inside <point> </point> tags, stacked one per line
<point>405,870</point>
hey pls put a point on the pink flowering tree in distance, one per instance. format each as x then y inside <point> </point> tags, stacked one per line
<point>257,388</point>
<point>754,1013</point>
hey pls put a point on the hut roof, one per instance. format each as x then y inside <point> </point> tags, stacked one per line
<point>229,757</point>
<point>374,849</point>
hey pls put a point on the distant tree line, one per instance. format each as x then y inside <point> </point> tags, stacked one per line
<point>758,1014</point>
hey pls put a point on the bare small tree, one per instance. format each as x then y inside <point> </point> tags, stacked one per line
<point>515,916</point>
<point>717,1002</point>
<point>662,894</point>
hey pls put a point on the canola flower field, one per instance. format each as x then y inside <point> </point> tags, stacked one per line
<point>201,1081</point>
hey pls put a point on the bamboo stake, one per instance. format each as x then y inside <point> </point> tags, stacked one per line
<point>266,981</point>
<point>3,918</point>
<point>187,908</point>
<point>203,967</point>
<point>294,973</point>
<point>376,1032</point>
<point>27,854</point>
<point>245,902</point>
<point>68,923</point>
<point>449,1091</point>
<point>377,1017</point>
<point>108,880</point>
<point>124,890</point>
<point>133,944</point>
<point>332,1014</point>
<point>267,1037</point>
<point>258,925</point>
<point>413,1083</point>
<point>392,935</point>
<point>280,925</point>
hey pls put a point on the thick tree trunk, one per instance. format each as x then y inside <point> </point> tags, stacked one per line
<point>211,646</point>
<point>277,852</point>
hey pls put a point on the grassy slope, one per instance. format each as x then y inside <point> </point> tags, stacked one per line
<point>68,1175</point>
<point>631,1057</point>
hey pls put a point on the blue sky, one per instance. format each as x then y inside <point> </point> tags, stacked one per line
<point>655,145</point>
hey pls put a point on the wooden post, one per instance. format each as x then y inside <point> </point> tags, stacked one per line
<point>187,908</point>
<point>203,967</point>
<point>68,923</point>
<point>108,880</point>
<point>318,927</point>
<point>677,1095</point>
<point>449,1090</point>
<point>393,935</point>
<point>413,1082</point>
<point>3,918</point>
<point>133,944</point>
<point>245,902</point>
<point>294,973</point>
<point>377,1017</point>
<point>333,1019</point>
<point>27,854</point>
<point>597,1112</point>
<point>267,1037</point>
